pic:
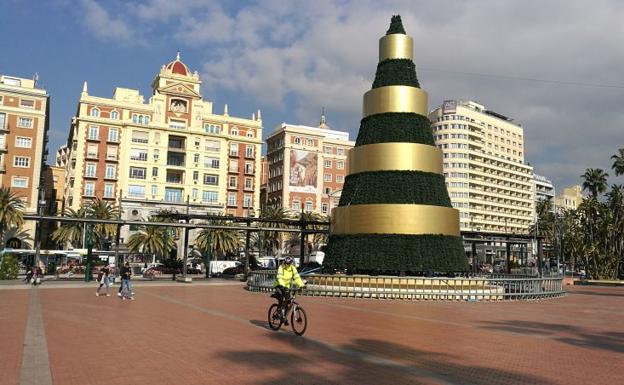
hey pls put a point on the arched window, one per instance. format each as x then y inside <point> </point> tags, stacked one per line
<point>114,115</point>
<point>234,131</point>
<point>147,120</point>
<point>297,140</point>
<point>140,119</point>
<point>135,119</point>
<point>95,112</point>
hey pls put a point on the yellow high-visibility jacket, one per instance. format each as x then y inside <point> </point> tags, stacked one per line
<point>287,273</point>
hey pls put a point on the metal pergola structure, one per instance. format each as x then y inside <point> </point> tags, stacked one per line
<point>255,224</point>
<point>476,237</point>
<point>180,220</point>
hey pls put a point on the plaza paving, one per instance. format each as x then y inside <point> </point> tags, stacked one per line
<point>216,333</point>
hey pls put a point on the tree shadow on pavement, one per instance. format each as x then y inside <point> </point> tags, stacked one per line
<point>572,335</point>
<point>366,361</point>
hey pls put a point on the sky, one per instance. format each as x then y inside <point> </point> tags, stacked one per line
<point>554,66</point>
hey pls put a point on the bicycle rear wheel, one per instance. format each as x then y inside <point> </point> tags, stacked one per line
<point>275,318</point>
<point>299,321</point>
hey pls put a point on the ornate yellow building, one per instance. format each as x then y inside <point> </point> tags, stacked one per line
<point>164,153</point>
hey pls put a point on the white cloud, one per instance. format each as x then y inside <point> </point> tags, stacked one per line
<point>296,56</point>
<point>103,26</point>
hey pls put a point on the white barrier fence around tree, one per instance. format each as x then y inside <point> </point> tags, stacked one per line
<point>473,288</point>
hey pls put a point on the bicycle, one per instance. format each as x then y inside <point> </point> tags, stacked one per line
<point>290,309</point>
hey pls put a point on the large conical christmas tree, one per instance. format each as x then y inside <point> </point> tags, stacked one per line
<point>395,214</point>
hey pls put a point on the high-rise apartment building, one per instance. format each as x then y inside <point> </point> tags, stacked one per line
<point>487,178</point>
<point>169,153</point>
<point>24,123</point>
<point>307,167</point>
<point>544,188</point>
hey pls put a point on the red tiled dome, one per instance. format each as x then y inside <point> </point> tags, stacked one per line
<point>177,67</point>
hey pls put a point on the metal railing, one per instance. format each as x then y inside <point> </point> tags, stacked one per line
<point>473,288</point>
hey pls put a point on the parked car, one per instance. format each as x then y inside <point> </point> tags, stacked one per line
<point>157,271</point>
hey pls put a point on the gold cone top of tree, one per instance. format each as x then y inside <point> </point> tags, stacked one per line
<point>394,212</point>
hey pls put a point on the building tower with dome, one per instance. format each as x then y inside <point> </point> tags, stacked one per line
<point>163,153</point>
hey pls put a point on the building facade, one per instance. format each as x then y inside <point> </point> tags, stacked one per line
<point>544,188</point>
<point>569,199</point>
<point>173,152</point>
<point>486,175</point>
<point>306,167</point>
<point>24,124</point>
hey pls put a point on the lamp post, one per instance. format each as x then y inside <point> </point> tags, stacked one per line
<point>250,214</point>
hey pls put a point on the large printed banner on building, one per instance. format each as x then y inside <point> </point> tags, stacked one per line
<point>303,171</point>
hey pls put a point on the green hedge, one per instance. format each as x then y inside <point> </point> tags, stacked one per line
<point>396,72</point>
<point>406,127</point>
<point>395,253</point>
<point>396,26</point>
<point>9,266</point>
<point>415,187</point>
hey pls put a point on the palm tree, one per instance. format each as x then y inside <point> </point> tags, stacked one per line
<point>595,181</point>
<point>19,233</point>
<point>321,238</point>
<point>618,162</point>
<point>221,241</point>
<point>274,238</point>
<point>151,239</point>
<point>71,232</point>
<point>310,216</point>
<point>11,209</point>
<point>101,209</point>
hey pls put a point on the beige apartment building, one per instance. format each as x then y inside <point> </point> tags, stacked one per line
<point>569,199</point>
<point>486,175</point>
<point>24,123</point>
<point>306,167</point>
<point>172,152</point>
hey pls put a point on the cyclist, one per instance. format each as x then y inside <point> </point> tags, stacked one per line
<point>286,273</point>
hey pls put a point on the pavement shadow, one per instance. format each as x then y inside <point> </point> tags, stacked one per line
<point>367,361</point>
<point>261,324</point>
<point>572,335</point>
<point>595,293</point>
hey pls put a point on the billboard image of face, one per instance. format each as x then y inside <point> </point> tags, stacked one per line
<point>303,171</point>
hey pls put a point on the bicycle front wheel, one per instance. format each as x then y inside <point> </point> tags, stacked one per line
<point>299,321</point>
<point>275,318</point>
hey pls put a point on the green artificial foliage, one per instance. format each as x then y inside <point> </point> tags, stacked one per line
<point>396,253</point>
<point>411,254</point>
<point>9,267</point>
<point>406,127</point>
<point>415,187</point>
<point>396,72</point>
<point>396,26</point>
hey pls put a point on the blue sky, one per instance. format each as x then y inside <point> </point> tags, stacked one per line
<point>555,66</point>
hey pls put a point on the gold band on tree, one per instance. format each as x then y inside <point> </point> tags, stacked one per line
<point>396,46</point>
<point>395,219</point>
<point>395,156</point>
<point>395,99</point>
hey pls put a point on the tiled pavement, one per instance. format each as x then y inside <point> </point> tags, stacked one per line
<point>217,334</point>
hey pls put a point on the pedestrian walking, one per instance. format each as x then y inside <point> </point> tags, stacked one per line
<point>38,276</point>
<point>103,280</point>
<point>126,286</point>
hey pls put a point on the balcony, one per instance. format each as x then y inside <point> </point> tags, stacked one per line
<point>176,144</point>
<point>175,177</point>
<point>175,159</point>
